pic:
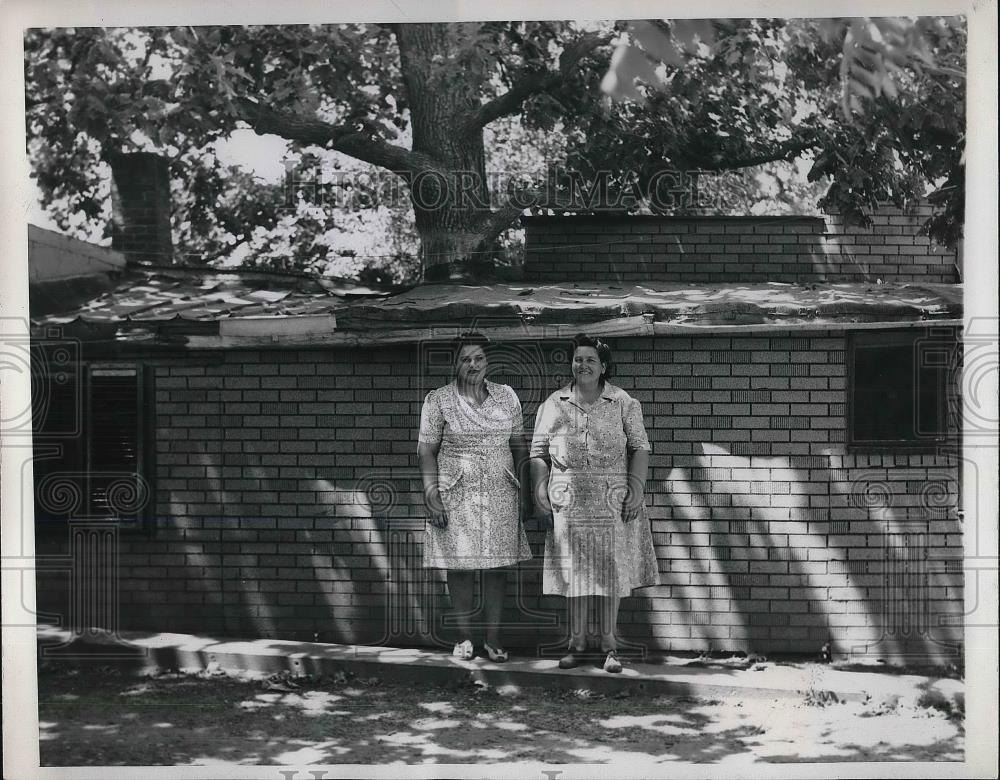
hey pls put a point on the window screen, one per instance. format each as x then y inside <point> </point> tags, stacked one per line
<point>898,385</point>
<point>88,444</point>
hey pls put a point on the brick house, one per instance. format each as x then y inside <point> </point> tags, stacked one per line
<point>241,448</point>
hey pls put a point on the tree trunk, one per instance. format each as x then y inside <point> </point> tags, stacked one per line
<point>451,203</point>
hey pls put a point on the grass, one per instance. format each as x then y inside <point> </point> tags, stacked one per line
<point>100,716</point>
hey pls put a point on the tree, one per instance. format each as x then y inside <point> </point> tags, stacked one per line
<point>313,222</point>
<point>744,94</point>
<point>878,105</point>
<point>352,89</point>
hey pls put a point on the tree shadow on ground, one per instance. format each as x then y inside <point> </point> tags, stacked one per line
<point>100,716</point>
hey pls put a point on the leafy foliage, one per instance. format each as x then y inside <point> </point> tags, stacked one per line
<point>876,104</point>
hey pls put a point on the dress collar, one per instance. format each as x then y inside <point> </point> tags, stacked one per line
<point>608,394</point>
<point>488,385</point>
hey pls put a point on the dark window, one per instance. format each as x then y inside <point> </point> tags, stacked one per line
<point>88,443</point>
<point>897,387</point>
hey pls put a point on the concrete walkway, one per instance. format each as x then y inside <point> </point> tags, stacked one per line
<point>675,676</point>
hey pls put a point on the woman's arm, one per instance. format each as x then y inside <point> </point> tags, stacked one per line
<point>539,453</point>
<point>428,443</point>
<point>638,461</point>
<point>519,449</point>
<point>540,490</point>
<point>429,474</point>
<point>638,470</point>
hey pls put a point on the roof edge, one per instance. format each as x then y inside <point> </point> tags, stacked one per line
<point>618,328</point>
<point>615,216</point>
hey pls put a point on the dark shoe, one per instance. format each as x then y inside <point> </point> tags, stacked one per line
<point>569,661</point>
<point>611,664</point>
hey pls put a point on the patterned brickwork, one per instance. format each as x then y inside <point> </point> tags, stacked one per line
<point>735,249</point>
<point>287,502</point>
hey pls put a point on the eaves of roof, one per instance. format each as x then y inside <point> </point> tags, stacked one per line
<point>230,310</point>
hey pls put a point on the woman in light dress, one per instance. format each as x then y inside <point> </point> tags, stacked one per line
<point>472,455</point>
<point>589,462</point>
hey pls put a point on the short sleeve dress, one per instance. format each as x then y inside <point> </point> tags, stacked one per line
<point>476,478</point>
<point>590,550</point>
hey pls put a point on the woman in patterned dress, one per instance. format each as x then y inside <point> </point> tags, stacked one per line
<point>471,454</point>
<point>589,460</point>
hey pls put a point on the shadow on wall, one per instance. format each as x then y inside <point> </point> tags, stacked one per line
<point>782,576</point>
<point>311,527</point>
<point>756,585</point>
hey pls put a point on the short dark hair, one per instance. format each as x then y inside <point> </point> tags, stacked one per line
<point>603,352</point>
<point>471,339</point>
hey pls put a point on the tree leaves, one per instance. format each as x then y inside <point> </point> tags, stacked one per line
<point>760,85</point>
<point>689,95</point>
<point>628,64</point>
<point>877,55</point>
<point>647,45</point>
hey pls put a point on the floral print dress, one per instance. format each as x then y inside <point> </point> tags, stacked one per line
<point>476,479</point>
<point>590,550</point>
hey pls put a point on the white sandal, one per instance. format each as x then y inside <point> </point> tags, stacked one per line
<point>497,656</point>
<point>464,650</point>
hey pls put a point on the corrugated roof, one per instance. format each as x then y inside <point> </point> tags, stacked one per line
<point>663,301</point>
<point>178,306</point>
<point>160,295</point>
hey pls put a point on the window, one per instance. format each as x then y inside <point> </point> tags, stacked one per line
<point>897,388</point>
<point>89,442</point>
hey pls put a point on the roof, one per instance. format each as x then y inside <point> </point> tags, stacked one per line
<point>55,256</point>
<point>66,272</point>
<point>164,294</point>
<point>625,216</point>
<point>201,309</point>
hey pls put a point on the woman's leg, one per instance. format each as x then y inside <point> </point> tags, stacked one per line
<point>461,584</point>
<point>607,618</point>
<point>576,611</point>
<point>494,591</point>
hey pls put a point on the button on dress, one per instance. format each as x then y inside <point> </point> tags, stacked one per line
<point>476,479</point>
<point>590,550</point>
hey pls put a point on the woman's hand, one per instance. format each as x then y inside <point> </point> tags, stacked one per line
<point>540,492</point>
<point>632,505</point>
<point>543,507</point>
<point>432,499</point>
<point>429,473</point>
<point>638,468</point>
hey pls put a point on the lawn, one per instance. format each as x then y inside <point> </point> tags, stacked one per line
<point>97,716</point>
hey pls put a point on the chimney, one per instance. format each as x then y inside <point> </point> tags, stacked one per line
<point>140,207</point>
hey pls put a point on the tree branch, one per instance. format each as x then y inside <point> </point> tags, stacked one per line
<point>534,83</point>
<point>226,250</point>
<point>496,222</point>
<point>348,140</point>
<point>784,151</point>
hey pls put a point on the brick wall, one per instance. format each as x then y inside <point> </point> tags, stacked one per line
<point>288,503</point>
<point>734,249</point>
<point>140,207</point>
